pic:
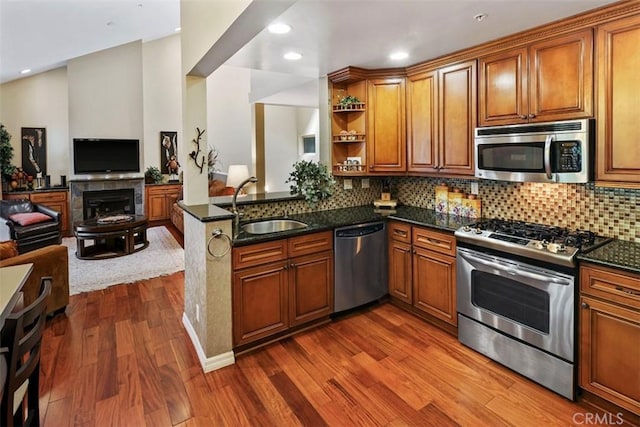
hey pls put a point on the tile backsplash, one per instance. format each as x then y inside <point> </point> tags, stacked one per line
<point>605,211</point>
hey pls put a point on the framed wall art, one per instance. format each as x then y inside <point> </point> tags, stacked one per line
<point>34,152</point>
<point>169,152</point>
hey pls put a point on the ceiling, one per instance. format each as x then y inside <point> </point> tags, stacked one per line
<point>330,34</point>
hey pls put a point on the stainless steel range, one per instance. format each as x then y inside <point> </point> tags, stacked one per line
<point>516,296</point>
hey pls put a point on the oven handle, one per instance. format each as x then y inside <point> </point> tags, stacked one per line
<point>547,156</point>
<point>513,269</point>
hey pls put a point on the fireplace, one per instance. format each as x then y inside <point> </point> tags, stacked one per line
<point>103,203</point>
<point>80,210</point>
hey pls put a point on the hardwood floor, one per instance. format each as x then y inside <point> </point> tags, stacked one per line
<point>120,357</point>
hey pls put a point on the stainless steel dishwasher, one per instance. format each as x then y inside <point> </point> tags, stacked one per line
<point>360,265</point>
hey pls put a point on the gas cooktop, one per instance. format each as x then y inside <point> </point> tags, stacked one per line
<point>557,245</point>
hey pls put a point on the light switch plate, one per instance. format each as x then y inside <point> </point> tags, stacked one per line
<point>365,182</point>
<point>474,188</point>
<point>347,184</point>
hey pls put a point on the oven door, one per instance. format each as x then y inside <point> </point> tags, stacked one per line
<point>532,304</point>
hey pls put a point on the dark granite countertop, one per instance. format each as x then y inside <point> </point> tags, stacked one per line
<point>335,218</point>
<point>39,190</point>
<point>254,199</point>
<point>617,254</point>
<point>206,213</point>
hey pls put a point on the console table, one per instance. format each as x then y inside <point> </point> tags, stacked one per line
<point>111,239</point>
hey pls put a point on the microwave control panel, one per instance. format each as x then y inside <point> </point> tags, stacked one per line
<point>568,155</point>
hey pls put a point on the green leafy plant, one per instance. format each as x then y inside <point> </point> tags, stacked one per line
<point>153,175</point>
<point>348,100</point>
<point>311,180</point>
<point>6,154</point>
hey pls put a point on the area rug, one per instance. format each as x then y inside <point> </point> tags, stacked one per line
<point>163,256</point>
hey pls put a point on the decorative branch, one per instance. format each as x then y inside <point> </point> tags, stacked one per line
<point>194,154</point>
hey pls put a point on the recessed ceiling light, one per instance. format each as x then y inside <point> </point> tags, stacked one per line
<point>279,28</point>
<point>480,17</point>
<point>292,56</point>
<point>396,56</point>
<point>25,71</point>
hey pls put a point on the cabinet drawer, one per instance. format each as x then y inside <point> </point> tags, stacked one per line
<point>57,196</point>
<point>434,240</point>
<point>611,284</point>
<point>400,232</point>
<point>261,253</point>
<point>310,243</point>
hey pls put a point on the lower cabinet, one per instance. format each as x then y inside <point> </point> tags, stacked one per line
<point>610,335</point>
<point>280,285</point>
<point>159,199</point>
<point>422,270</point>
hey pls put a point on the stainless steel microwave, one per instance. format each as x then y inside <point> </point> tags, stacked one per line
<point>540,152</point>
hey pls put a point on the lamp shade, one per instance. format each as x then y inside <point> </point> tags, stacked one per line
<point>237,174</point>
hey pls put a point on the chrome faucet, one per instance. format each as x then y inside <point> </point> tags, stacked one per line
<point>234,209</point>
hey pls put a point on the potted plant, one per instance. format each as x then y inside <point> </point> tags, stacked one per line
<point>6,154</point>
<point>152,175</point>
<point>348,100</point>
<point>311,180</point>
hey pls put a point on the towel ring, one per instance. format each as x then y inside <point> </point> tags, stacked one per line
<point>217,234</point>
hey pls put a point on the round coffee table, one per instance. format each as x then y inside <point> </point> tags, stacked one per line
<point>110,239</point>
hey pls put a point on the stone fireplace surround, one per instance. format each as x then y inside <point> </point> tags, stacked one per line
<point>77,187</point>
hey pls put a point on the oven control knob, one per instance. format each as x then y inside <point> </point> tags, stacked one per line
<point>466,228</point>
<point>538,244</point>
<point>477,231</point>
<point>556,247</point>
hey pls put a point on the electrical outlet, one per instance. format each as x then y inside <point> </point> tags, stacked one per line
<point>198,313</point>
<point>348,184</point>
<point>474,188</point>
<point>365,182</point>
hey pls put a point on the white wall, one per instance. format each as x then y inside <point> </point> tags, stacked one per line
<point>39,101</point>
<point>162,96</point>
<point>284,125</point>
<point>229,122</point>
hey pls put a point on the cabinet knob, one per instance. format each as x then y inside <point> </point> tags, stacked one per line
<point>531,116</point>
<point>435,167</point>
<point>523,117</point>
<point>286,266</point>
<point>293,265</point>
<point>371,167</point>
<point>584,305</point>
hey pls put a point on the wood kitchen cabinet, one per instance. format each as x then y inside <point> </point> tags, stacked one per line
<point>386,126</point>
<point>56,200</point>
<point>159,199</point>
<point>441,118</point>
<point>618,47</point>
<point>423,273</point>
<point>280,285</point>
<point>545,81</point>
<point>610,335</point>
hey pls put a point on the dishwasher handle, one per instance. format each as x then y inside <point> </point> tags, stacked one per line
<point>359,231</point>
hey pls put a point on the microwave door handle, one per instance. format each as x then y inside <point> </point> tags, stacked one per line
<point>547,156</point>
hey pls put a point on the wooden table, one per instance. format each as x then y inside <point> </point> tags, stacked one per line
<point>12,279</point>
<point>110,239</point>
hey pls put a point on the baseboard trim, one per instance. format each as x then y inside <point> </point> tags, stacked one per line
<point>208,363</point>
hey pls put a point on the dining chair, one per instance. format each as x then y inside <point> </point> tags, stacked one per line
<point>21,335</point>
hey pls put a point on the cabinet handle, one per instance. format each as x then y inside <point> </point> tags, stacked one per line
<point>531,116</point>
<point>286,266</point>
<point>414,252</point>
<point>293,265</point>
<point>584,305</point>
<point>523,117</point>
<point>400,233</point>
<point>435,167</point>
<point>627,291</point>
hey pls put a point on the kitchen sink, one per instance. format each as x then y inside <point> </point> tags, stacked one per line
<point>272,226</point>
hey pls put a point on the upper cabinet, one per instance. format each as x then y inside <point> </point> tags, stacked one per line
<point>386,126</point>
<point>545,81</point>
<point>441,118</point>
<point>618,47</point>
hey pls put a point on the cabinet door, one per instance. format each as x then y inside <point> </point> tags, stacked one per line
<point>610,352</point>
<point>618,47</point>
<point>400,275</point>
<point>503,96</point>
<point>422,122</point>
<point>457,95</point>
<point>156,206</point>
<point>561,78</point>
<point>310,287</point>
<point>386,140</point>
<point>259,302</point>
<point>434,284</point>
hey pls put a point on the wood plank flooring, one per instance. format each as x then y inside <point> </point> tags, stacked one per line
<point>120,357</point>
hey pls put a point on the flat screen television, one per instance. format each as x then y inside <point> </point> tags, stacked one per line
<point>102,155</point>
